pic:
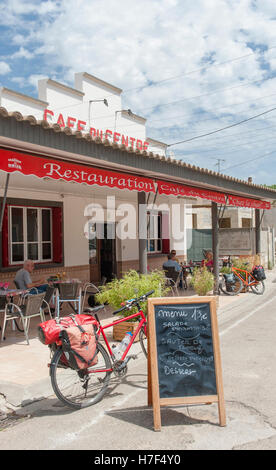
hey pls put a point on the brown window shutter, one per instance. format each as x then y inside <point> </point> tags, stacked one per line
<point>5,239</point>
<point>165,233</point>
<point>57,229</point>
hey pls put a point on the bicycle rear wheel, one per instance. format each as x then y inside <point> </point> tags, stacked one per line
<point>258,288</point>
<point>233,289</point>
<point>143,341</point>
<point>80,389</point>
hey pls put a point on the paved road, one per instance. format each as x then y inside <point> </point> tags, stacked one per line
<point>123,421</point>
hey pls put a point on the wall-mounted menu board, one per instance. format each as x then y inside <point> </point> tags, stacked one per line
<point>184,365</point>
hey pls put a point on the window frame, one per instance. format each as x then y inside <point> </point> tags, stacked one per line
<point>25,242</point>
<point>156,215</point>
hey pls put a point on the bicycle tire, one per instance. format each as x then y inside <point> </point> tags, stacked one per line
<point>239,283</point>
<point>143,341</point>
<point>78,402</point>
<point>261,285</point>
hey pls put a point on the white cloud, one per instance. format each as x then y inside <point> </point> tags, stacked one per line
<point>4,68</point>
<point>22,53</point>
<point>131,44</point>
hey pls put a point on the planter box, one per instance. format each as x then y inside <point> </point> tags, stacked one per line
<point>120,330</point>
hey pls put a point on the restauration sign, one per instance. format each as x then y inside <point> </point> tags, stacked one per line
<point>42,167</point>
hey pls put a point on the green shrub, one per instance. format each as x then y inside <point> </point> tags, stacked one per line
<point>202,281</point>
<point>226,270</point>
<point>132,285</point>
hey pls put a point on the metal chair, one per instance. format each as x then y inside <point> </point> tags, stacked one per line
<point>47,299</point>
<point>173,278</point>
<point>68,292</point>
<point>3,303</point>
<point>31,308</point>
<point>91,289</point>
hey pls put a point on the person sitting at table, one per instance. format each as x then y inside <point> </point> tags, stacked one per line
<point>173,263</point>
<point>208,261</point>
<point>173,253</point>
<point>23,279</point>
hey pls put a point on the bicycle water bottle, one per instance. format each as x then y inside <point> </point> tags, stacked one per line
<point>125,342</point>
<point>120,348</point>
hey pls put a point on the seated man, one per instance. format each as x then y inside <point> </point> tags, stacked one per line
<point>173,263</point>
<point>173,253</point>
<point>23,279</point>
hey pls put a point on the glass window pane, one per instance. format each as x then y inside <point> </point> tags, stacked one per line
<point>33,251</point>
<point>159,245</point>
<point>32,230</point>
<point>46,251</point>
<point>152,245</point>
<point>17,224</point>
<point>17,252</point>
<point>46,225</point>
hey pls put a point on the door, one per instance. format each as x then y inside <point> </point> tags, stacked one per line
<point>102,252</point>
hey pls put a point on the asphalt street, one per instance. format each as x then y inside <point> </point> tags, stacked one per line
<point>122,420</point>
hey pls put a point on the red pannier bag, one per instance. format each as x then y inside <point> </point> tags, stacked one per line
<point>79,346</point>
<point>48,331</point>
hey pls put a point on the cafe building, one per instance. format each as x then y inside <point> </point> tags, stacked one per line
<point>85,190</point>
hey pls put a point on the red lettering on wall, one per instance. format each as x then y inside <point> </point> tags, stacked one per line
<point>116,137</point>
<point>108,133</point>
<point>60,121</point>
<point>132,140</point>
<point>139,144</point>
<point>81,125</point>
<point>125,140</point>
<point>45,114</point>
<point>71,121</point>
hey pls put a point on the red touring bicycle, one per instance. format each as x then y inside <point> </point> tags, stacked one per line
<point>83,388</point>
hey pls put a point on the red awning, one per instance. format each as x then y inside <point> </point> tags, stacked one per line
<point>165,187</point>
<point>11,161</point>
<point>58,170</point>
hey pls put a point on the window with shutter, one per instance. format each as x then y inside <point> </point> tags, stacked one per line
<point>31,232</point>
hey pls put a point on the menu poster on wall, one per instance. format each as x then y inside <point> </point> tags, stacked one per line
<point>184,365</point>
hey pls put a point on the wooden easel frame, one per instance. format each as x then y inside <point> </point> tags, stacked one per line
<point>154,399</point>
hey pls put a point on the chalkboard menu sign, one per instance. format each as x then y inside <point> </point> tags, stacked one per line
<point>183,350</point>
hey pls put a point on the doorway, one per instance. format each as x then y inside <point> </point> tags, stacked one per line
<point>102,252</point>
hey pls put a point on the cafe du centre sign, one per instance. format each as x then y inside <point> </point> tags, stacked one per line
<point>117,137</point>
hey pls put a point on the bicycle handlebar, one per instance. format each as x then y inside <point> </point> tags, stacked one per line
<point>132,302</point>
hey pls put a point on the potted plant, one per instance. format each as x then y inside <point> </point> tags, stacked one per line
<point>131,285</point>
<point>202,281</point>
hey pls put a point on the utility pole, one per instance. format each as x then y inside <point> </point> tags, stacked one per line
<point>218,163</point>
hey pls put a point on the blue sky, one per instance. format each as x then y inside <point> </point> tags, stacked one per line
<point>188,67</point>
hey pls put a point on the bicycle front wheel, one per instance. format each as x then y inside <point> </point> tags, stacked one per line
<point>231,289</point>
<point>143,341</point>
<point>258,288</point>
<point>80,389</point>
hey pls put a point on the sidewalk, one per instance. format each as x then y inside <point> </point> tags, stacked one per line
<point>24,372</point>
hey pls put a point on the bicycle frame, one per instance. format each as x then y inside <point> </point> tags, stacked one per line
<point>101,329</point>
<point>236,271</point>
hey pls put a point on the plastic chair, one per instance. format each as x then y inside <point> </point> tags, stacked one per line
<point>173,278</point>
<point>31,308</point>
